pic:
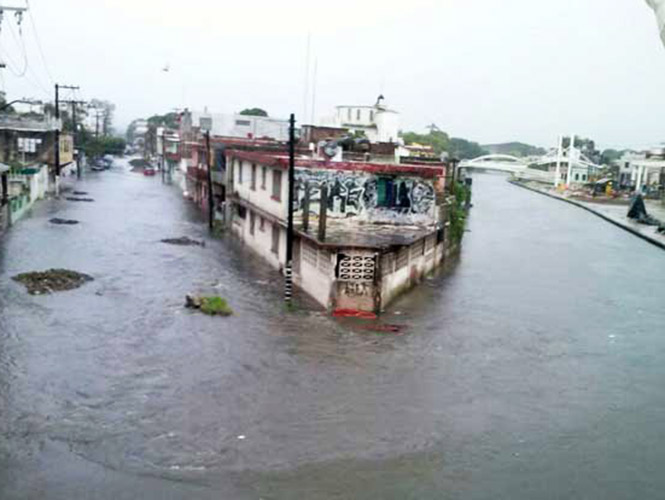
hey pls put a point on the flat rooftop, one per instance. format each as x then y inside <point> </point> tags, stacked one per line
<point>367,235</point>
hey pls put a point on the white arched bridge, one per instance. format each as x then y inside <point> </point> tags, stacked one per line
<point>507,163</point>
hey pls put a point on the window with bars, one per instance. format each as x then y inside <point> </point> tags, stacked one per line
<point>264,174</point>
<point>277,185</point>
<point>418,248</point>
<point>325,266</point>
<point>252,184</point>
<point>402,258</point>
<point>387,263</point>
<point>309,254</point>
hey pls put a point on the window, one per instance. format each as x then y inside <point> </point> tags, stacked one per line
<point>264,174</point>
<point>275,239</point>
<point>577,177</point>
<point>348,114</point>
<point>241,211</point>
<point>392,193</point>
<point>243,123</point>
<point>252,222</point>
<point>262,224</point>
<point>358,114</point>
<point>371,116</point>
<point>252,185</point>
<point>277,185</point>
<point>240,172</point>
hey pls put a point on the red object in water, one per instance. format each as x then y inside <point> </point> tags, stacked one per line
<point>353,313</point>
<point>148,171</point>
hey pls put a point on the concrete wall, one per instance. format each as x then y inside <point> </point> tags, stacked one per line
<point>260,196</point>
<point>261,241</point>
<point>405,268</point>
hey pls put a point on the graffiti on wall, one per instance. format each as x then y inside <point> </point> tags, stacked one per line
<point>370,197</point>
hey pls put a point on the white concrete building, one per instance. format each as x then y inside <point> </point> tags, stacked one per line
<point>235,125</point>
<point>378,122</point>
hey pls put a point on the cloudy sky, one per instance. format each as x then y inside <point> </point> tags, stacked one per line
<point>487,70</point>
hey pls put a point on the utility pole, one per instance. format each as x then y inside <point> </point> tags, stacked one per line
<point>557,175</point>
<point>56,145</point>
<point>571,153</point>
<point>288,271</point>
<point>56,141</point>
<point>210,201</point>
<point>75,133</point>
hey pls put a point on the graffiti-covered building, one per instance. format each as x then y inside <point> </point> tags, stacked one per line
<point>364,231</point>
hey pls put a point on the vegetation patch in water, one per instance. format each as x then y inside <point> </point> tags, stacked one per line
<point>213,305</point>
<point>52,280</point>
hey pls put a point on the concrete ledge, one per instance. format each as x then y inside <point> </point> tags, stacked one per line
<point>612,220</point>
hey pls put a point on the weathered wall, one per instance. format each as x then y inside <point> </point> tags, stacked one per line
<point>404,269</point>
<point>355,195</point>
<point>356,285</point>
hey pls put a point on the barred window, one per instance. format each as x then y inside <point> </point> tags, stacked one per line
<point>309,254</point>
<point>402,258</point>
<point>325,265</point>
<point>387,263</point>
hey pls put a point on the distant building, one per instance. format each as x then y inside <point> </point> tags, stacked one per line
<point>235,125</point>
<point>378,123</point>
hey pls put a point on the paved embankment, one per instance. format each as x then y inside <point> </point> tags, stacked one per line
<point>616,214</point>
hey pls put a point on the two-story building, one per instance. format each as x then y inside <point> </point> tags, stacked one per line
<point>364,231</point>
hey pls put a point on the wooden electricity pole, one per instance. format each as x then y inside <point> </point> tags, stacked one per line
<point>288,271</point>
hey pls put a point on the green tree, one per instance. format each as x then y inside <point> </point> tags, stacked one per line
<point>438,139</point>
<point>610,155</point>
<point>254,112</point>
<point>169,120</point>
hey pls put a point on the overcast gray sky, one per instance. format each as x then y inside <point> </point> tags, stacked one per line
<point>486,70</point>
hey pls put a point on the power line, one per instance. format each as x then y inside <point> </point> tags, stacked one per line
<point>39,45</point>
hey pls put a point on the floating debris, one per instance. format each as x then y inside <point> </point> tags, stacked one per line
<point>72,198</point>
<point>213,306</point>
<point>52,280</point>
<point>80,193</point>
<point>384,328</point>
<point>57,220</point>
<point>184,241</point>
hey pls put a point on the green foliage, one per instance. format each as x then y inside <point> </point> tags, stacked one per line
<point>464,150</point>
<point>439,140</point>
<point>461,194</point>
<point>215,306</point>
<point>610,155</point>
<point>254,112</point>
<point>169,120</point>
<point>98,146</point>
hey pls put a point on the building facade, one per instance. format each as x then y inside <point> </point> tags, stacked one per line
<point>365,232</point>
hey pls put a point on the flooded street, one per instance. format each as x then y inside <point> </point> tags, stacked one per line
<point>533,369</point>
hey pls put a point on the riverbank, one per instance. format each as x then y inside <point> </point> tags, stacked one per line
<point>613,213</point>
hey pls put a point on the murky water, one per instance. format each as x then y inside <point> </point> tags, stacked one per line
<point>532,370</point>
